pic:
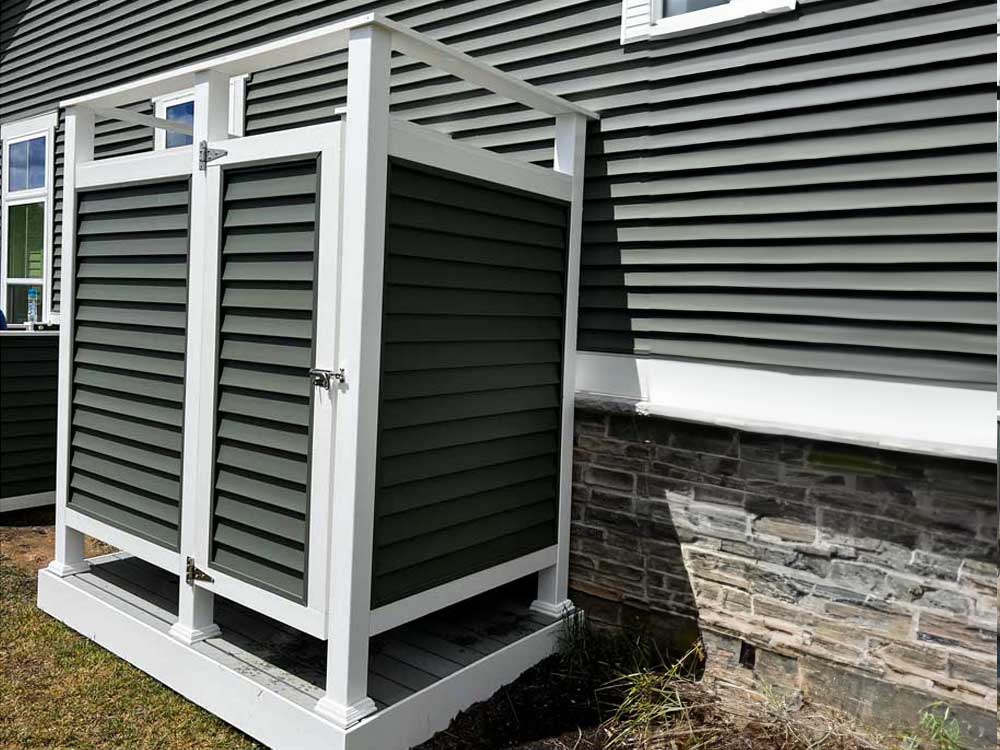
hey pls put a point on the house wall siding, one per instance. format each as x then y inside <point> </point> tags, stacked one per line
<point>28,365</point>
<point>815,191</point>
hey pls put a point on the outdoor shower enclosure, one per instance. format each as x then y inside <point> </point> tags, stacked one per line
<point>325,374</point>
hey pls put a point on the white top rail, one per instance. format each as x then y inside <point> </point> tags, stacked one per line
<point>326,39</point>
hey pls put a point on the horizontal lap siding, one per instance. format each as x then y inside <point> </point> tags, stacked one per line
<point>28,375</point>
<point>814,191</point>
<point>128,357</point>
<point>467,469</point>
<point>261,506</point>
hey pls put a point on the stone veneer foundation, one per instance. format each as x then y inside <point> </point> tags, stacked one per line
<point>864,578</point>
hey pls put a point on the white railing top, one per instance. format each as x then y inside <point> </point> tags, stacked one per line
<point>326,39</point>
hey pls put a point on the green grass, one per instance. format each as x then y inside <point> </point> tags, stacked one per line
<point>59,690</point>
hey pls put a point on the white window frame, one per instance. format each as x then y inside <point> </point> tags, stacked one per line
<point>42,126</point>
<point>643,19</point>
<point>237,108</point>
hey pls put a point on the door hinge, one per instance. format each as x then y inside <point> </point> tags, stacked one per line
<point>206,154</point>
<point>326,378</point>
<point>192,573</point>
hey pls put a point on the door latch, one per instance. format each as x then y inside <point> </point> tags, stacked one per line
<point>326,378</point>
<point>206,154</point>
<point>192,573</point>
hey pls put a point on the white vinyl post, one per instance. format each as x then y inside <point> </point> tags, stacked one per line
<point>570,150</point>
<point>366,144</point>
<point>79,148</point>
<point>195,607</point>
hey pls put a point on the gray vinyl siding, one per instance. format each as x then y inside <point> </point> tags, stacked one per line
<point>264,407</point>
<point>468,463</point>
<point>128,357</point>
<point>28,375</point>
<point>811,192</point>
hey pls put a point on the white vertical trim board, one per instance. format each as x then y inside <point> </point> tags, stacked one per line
<point>570,151</point>
<point>237,108</point>
<point>366,156</point>
<point>79,140</point>
<point>929,419</point>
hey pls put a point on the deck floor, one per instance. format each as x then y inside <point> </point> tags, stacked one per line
<point>401,661</point>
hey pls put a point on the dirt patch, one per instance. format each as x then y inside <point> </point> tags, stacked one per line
<point>27,538</point>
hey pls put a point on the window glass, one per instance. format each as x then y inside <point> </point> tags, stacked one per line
<point>27,165</point>
<point>679,7</point>
<point>182,113</point>
<point>17,303</point>
<point>25,241</point>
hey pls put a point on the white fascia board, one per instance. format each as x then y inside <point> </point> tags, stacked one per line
<point>326,39</point>
<point>30,126</point>
<point>912,417</point>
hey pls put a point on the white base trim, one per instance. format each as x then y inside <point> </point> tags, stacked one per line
<point>188,635</point>
<point>345,716</point>
<point>561,609</point>
<point>67,569</point>
<point>414,607</point>
<point>227,688</point>
<point>929,419</point>
<point>20,502</point>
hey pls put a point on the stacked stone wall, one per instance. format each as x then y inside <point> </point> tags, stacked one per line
<point>866,579</point>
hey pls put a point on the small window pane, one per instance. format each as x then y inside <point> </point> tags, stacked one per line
<point>17,303</point>
<point>182,113</point>
<point>25,241</point>
<point>27,165</point>
<point>679,7</point>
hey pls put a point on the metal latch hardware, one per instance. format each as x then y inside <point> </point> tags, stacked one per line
<point>192,574</point>
<point>326,378</point>
<point>206,154</point>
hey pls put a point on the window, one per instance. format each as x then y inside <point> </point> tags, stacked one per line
<point>644,19</point>
<point>182,113</point>
<point>26,219</point>
<point>179,107</point>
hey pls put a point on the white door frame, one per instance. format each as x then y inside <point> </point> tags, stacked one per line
<point>322,141</point>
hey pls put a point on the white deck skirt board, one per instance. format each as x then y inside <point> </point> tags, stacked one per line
<point>928,419</point>
<point>416,606</point>
<point>237,679</point>
<point>22,502</point>
<point>326,39</point>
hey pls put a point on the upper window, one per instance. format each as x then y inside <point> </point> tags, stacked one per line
<point>183,112</point>
<point>26,220</point>
<point>27,165</point>
<point>643,19</point>
<point>179,107</point>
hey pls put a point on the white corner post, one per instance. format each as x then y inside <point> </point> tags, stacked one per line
<point>79,148</point>
<point>570,150</point>
<point>195,606</point>
<point>366,145</point>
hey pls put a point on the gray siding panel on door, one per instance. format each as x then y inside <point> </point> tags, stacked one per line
<point>846,145</point>
<point>128,357</point>
<point>28,375</point>
<point>261,507</point>
<point>467,469</point>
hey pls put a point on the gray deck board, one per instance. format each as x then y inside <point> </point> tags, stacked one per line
<point>402,661</point>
